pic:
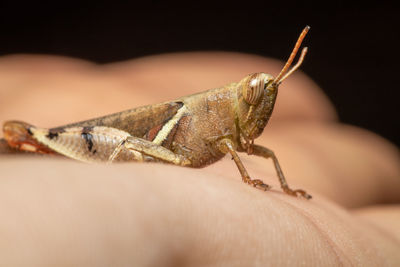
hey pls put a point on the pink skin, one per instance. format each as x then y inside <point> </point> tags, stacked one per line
<point>60,212</point>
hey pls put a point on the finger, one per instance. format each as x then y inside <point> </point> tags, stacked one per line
<point>187,73</point>
<point>60,212</point>
<point>74,90</point>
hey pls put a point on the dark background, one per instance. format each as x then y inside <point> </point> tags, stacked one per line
<point>353,56</point>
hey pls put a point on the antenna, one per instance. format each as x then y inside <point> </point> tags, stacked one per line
<point>289,62</point>
<point>295,67</point>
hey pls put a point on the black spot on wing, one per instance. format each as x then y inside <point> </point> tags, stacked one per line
<point>52,135</point>
<point>54,132</point>
<point>89,140</point>
<point>86,134</point>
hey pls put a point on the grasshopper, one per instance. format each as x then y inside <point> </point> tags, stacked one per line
<point>192,131</point>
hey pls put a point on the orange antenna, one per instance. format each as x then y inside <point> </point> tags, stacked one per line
<point>295,67</point>
<point>285,68</point>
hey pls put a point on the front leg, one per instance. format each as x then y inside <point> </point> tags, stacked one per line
<point>226,145</point>
<point>151,149</point>
<point>267,153</point>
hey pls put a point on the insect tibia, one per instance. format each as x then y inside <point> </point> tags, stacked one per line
<point>19,136</point>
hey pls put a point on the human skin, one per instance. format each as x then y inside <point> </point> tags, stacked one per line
<point>58,212</point>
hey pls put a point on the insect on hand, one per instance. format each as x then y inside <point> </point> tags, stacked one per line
<point>192,131</point>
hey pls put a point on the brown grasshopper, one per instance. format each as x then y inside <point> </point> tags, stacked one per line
<point>193,131</point>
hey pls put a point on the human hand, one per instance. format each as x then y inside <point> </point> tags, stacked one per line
<point>60,212</point>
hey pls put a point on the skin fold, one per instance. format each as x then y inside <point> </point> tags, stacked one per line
<point>58,212</point>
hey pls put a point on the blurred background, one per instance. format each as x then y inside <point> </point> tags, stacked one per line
<point>353,48</point>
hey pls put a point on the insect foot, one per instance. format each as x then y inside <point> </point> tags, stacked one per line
<point>297,193</point>
<point>258,184</point>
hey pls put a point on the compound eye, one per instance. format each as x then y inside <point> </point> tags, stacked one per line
<point>253,89</point>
